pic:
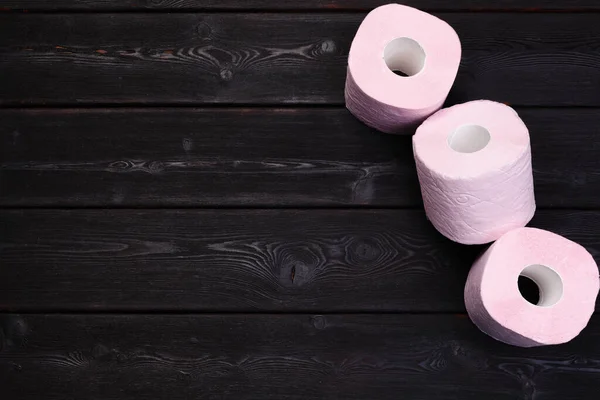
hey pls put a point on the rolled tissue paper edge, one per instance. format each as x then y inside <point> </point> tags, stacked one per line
<point>475,197</point>
<point>496,306</point>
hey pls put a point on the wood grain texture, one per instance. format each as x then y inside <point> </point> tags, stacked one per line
<point>273,58</point>
<point>242,260</point>
<point>333,5</point>
<point>254,157</point>
<point>284,356</point>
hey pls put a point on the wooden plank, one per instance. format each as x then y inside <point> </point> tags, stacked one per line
<point>241,260</point>
<point>337,5</point>
<point>284,357</point>
<point>262,58</point>
<point>254,157</point>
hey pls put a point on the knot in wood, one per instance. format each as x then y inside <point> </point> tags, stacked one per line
<point>203,30</point>
<point>120,165</point>
<point>361,251</point>
<point>188,144</point>
<point>226,74</point>
<point>156,167</point>
<point>319,322</point>
<point>328,46</point>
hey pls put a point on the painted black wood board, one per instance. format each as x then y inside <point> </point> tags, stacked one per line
<point>242,260</point>
<point>299,356</point>
<point>330,5</point>
<point>384,289</point>
<point>254,157</point>
<point>273,58</point>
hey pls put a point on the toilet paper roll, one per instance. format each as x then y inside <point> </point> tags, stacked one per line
<point>565,273</point>
<point>403,39</point>
<point>474,166</point>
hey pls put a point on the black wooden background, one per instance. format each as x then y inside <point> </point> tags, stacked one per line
<point>187,210</point>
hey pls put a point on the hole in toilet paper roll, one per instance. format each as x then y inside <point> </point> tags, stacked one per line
<point>529,289</point>
<point>548,282</point>
<point>469,138</point>
<point>404,56</point>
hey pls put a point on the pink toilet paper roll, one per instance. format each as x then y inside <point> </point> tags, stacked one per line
<point>474,166</point>
<point>400,38</point>
<point>565,273</point>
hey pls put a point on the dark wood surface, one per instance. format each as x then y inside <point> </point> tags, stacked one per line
<point>284,357</point>
<point>243,260</point>
<point>287,5</point>
<point>234,58</point>
<point>188,211</point>
<point>254,156</point>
